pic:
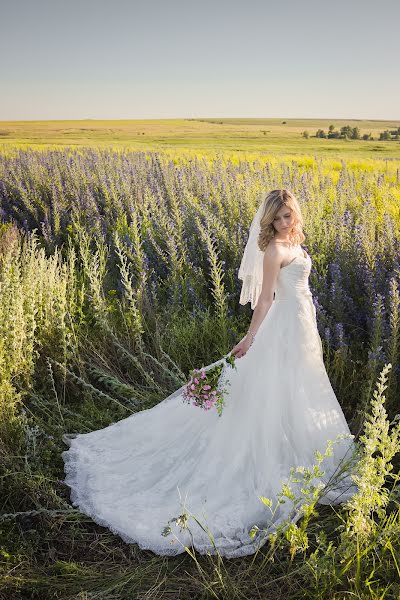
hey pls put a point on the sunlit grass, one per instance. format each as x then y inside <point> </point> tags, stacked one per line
<point>131,280</point>
<point>273,136</point>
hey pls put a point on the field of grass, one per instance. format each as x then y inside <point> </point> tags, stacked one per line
<point>118,274</point>
<point>238,135</point>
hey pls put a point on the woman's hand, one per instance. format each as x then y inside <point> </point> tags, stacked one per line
<point>242,347</point>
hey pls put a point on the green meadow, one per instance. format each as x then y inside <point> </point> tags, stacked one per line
<point>119,248</point>
<point>237,135</point>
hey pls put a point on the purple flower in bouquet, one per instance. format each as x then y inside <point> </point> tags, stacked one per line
<point>205,388</point>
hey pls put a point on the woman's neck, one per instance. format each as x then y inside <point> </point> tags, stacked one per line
<point>286,241</point>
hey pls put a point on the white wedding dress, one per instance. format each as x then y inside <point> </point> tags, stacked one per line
<point>135,475</point>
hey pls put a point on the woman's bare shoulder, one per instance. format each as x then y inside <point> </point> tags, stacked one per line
<point>274,250</point>
<point>274,254</point>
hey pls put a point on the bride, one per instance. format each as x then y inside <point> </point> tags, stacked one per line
<point>134,476</point>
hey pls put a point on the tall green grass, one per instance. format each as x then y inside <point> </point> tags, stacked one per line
<point>99,323</point>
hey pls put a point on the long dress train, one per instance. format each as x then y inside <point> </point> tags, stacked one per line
<point>135,475</point>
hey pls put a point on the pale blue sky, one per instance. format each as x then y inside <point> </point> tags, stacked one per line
<point>117,59</point>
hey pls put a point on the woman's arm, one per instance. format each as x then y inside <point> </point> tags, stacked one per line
<point>271,266</point>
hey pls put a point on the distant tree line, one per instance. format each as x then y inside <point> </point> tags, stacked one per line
<point>353,133</point>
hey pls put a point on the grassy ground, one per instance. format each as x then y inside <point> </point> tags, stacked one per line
<point>81,346</point>
<point>239,135</point>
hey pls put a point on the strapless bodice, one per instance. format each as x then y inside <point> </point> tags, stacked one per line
<point>292,280</point>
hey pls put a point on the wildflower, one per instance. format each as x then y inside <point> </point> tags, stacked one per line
<point>205,390</point>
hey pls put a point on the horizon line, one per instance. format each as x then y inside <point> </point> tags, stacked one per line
<point>195,118</point>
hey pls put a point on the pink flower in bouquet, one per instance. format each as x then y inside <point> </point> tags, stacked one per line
<point>207,389</point>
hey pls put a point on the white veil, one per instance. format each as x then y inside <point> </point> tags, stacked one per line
<point>251,267</point>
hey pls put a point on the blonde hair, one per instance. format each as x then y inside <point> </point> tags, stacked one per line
<point>273,202</point>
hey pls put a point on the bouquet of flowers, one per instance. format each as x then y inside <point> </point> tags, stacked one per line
<point>206,388</point>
